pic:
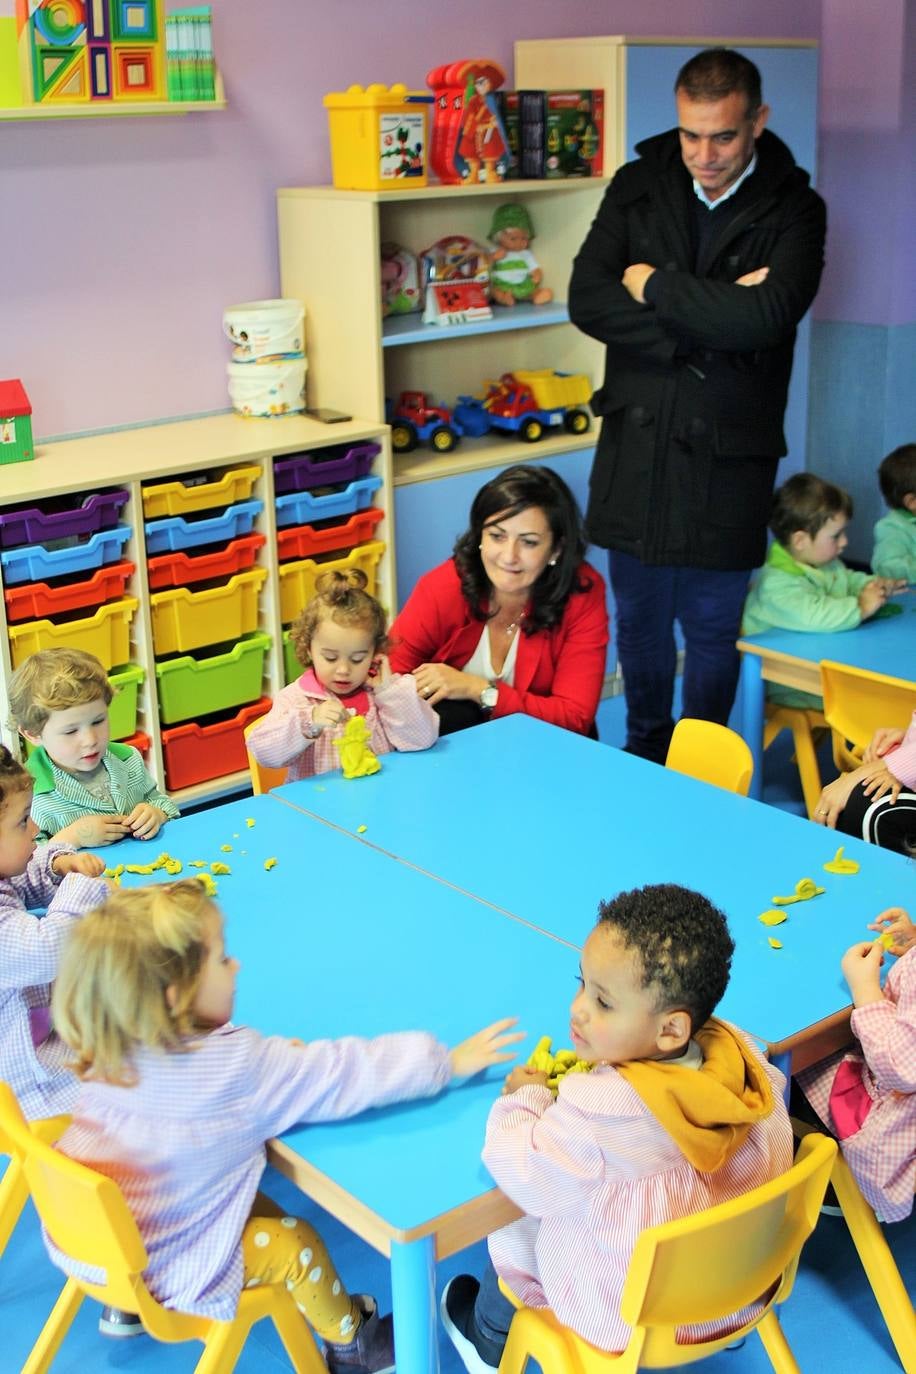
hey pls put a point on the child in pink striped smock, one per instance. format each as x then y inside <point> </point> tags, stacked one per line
<point>175,1104</point>
<point>680,1112</point>
<point>868,1097</point>
<point>340,639</point>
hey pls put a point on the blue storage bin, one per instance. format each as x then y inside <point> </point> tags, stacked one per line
<point>301,507</point>
<point>176,533</point>
<point>35,563</point>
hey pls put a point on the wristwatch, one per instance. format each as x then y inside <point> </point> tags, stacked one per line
<point>489,697</point>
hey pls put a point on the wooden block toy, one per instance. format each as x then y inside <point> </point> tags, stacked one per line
<point>15,423</point>
<point>79,51</point>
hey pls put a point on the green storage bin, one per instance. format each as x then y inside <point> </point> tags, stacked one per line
<point>292,668</point>
<point>122,713</point>
<point>192,687</point>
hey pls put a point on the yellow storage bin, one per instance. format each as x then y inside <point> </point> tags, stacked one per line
<point>297,580</point>
<point>177,498</point>
<point>183,620</point>
<point>105,634</point>
<point>379,137</point>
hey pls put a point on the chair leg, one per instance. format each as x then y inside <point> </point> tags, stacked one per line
<point>14,1193</point>
<point>808,770</point>
<point>54,1330</point>
<point>776,1345</point>
<point>297,1338</point>
<point>222,1347</point>
<point>537,1336</point>
<point>879,1265</point>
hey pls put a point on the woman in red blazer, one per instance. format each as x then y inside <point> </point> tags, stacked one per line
<point>515,620</point>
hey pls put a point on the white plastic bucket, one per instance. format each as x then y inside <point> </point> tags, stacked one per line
<point>276,388</point>
<point>265,329</point>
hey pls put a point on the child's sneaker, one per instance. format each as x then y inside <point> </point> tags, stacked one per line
<point>371,1350</point>
<point>477,1354</point>
<point>114,1322</point>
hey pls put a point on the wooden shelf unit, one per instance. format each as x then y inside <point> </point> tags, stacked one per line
<point>114,109</point>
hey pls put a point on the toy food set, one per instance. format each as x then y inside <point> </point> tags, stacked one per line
<point>514,271</point>
<point>456,273</point>
<point>554,134</point>
<point>15,423</point>
<point>469,142</point>
<point>400,278</point>
<point>379,137</point>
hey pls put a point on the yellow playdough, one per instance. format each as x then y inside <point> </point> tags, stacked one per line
<point>840,865</point>
<point>772,917</point>
<point>556,1066</point>
<point>356,758</point>
<point>269,864</point>
<point>805,888</point>
<point>774,943</point>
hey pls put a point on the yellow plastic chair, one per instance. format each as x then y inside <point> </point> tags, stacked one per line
<point>697,1269</point>
<point>858,702</point>
<point>881,1270</point>
<point>89,1219</point>
<point>14,1191</point>
<point>262,779</point>
<point>803,725</point>
<point>712,753</point>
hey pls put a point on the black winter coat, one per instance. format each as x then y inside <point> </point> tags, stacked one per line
<point>695,385</point>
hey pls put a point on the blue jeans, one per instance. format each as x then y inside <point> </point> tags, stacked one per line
<point>708,604</point>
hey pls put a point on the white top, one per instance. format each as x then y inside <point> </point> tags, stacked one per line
<point>481,661</point>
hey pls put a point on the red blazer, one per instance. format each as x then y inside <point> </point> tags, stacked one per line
<point>558,672</point>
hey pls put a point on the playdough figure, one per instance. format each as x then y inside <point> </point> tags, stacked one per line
<point>514,272</point>
<point>356,758</point>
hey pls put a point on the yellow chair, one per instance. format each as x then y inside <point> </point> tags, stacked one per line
<point>803,724</point>
<point>697,1269</point>
<point>712,753</point>
<point>858,702</point>
<point>89,1219</point>
<point>262,779</point>
<point>14,1190</point>
<point>889,1290</point>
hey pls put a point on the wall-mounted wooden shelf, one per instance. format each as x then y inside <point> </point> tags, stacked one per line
<point>114,109</point>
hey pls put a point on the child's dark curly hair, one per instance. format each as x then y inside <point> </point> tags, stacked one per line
<point>13,777</point>
<point>341,597</point>
<point>681,942</point>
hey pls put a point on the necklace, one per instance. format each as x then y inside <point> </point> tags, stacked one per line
<point>513,625</point>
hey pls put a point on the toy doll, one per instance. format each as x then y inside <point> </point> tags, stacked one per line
<point>482,140</point>
<point>514,272</point>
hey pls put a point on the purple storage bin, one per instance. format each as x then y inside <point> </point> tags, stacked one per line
<point>35,526</point>
<point>323,468</point>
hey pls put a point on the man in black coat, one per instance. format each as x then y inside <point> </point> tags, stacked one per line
<point>703,257</point>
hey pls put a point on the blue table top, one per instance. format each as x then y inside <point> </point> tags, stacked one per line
<point>886,645</point>
<point>544,823</point>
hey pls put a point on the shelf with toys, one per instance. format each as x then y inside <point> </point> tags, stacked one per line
<point>116,109</point>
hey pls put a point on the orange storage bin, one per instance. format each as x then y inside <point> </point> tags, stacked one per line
<point>195,753</point>
<point>140,740</point>
<point>304,541</point>
<point>178,569</point>
<point>38,599</point>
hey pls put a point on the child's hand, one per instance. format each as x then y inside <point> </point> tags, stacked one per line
<point>330,713</point>
<point>483,1050</point>
<point>755,278</point>
<point>893,585</point>
<point>897,923</point>
<point>872,597</point>
<point>89,864</point>
<point>145,821</point>
<point>522,1076</point>
<point>380,672</point>
<point>89,832</point>
<point>861,965</point>
<point>881,742</point>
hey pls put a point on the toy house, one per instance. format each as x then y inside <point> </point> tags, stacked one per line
<point>15,423</point>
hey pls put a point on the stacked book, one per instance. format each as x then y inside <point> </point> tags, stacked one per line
<point>554,134</point>
<point>189,54</point>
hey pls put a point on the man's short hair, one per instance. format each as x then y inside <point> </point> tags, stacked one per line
<point>717,72</point>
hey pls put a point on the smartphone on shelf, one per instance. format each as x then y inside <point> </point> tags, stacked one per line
<point>327,416</point>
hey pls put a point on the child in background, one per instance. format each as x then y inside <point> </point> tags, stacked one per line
<point>680,1112</point>
<point>340,641</point>
<point>87,791</point>
<point>895,534</point>
<point>143,999</point>
<point>32,1058</point>
<point>868,1098</point>
<point>804,584</point>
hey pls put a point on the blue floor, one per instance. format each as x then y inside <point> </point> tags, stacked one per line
<point>831,1321</point>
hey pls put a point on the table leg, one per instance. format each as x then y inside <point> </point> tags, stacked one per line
<point>750,688</point>
<point>413,1293</point>
<point>783,1062</point>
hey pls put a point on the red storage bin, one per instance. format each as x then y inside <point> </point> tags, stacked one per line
<point>140,740</point>
<point>303,541</point>
<point>178,569</point>
<point>37,600</point>
<point>195,753</point>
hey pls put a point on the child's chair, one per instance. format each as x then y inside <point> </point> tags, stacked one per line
<point>262,779</point>
<point>697,1269</point>
<point>877,1260</point>
<point>14,1190</point>
<point>858,702</point>
<point>803,725</point>
<point>86,1214</point>
<point>712,753</point>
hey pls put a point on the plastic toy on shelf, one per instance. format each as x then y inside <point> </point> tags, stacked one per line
<point>414,419</point>
<point>514,271</point>
<point>469,142</point>
<point>456,276</point>
<point>527,404</point>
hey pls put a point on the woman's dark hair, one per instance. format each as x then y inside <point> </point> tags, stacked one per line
<point>514,490</point>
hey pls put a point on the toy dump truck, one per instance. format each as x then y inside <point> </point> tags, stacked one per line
<point>527,404</point>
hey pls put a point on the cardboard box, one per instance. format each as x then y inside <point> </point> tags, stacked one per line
<point>561,134</point>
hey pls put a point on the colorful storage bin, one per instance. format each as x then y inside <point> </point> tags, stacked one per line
<point>140,740</point>
<point>292,668</point>
<point>297,580</point>
<point>176,533</point>
<point>105,634</point>
<point>195,753</point>
<point>183,620</point>
<point>302,507</point>
<point>122,711</point>
<point>34,562</point>
<point>178,569</point>
<point>180,498</point>
<point>301,470</point>
<point>32,526</point>
<point>193,687</point>
<point>302,541</point>
<point>37,599</point>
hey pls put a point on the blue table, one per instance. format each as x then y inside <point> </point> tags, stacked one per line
<point>793,658</point>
